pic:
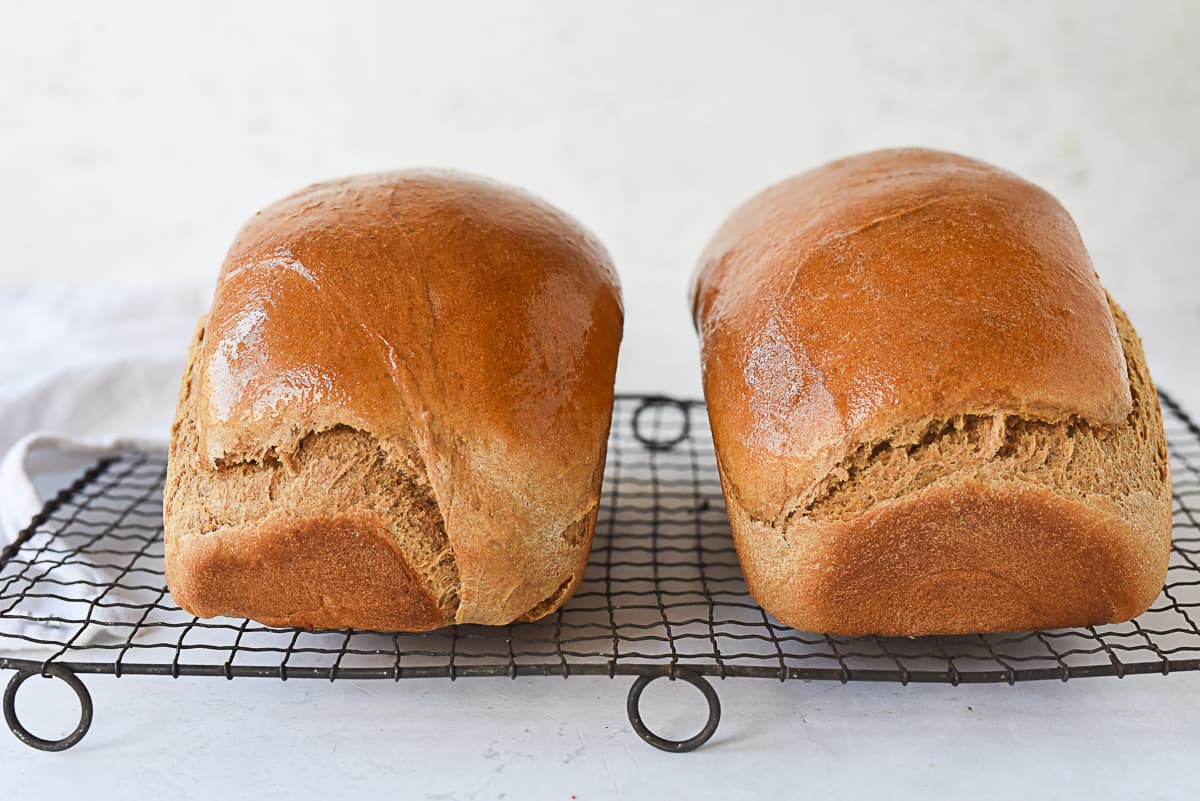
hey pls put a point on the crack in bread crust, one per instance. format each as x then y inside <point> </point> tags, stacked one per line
<point>1072,457</point>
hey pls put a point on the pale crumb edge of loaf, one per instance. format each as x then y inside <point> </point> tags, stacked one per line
<point>1077,460</point>
<point>434,560</point>
<point>579,533</point>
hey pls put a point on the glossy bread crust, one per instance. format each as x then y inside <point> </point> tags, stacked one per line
<point>451,342</point>
<point>929,417</point>
<point>903,284</point>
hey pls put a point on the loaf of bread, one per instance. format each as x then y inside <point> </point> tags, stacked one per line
<point>396,413</point>
<point>929,416</point>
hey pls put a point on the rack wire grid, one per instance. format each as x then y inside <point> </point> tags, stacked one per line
<point>82,591</point>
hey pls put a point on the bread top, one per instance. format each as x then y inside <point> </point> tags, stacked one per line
<point>469,327</point>
<point>867,296</point>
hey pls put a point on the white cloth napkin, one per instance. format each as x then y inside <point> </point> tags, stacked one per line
<point>84,372</point>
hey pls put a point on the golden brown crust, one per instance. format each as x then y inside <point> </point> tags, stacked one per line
<point>453,339</point>
<point>887,287</point>
<point>956,559</point>
<point>963,506</point>
<point>322,573</point>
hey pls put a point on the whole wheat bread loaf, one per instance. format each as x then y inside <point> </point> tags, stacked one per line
<point>396,413</point>
<point>929,416</point>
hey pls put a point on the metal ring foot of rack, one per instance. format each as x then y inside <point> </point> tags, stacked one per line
<point>632,706</point>
<point>656,441</point>
<point>32,740</point>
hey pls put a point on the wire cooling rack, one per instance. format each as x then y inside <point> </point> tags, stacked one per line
<point>82,591</point>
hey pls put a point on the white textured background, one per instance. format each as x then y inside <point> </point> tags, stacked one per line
<point>135,139</point>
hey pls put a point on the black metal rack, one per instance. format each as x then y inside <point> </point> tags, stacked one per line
<point>82,591</point>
